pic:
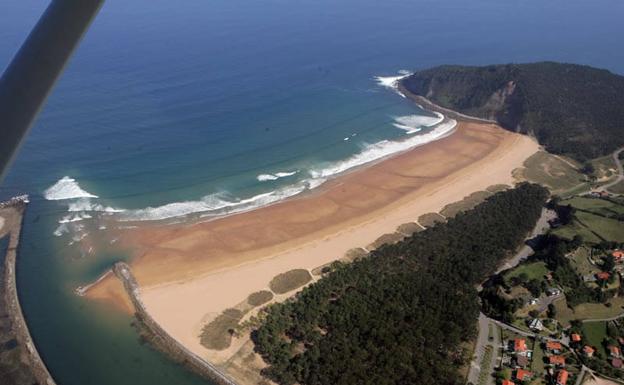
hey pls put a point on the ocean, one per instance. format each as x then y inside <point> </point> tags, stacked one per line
<point>185,111</point>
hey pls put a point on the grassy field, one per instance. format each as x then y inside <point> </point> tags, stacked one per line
<point>604,167</point>
<point>388,239</point>
<point>410,228</point>
<point>580,261</point>
<point>497,187</point>
<point>535,270</point>
<point>570,230</point>
<point>588,310</point>
<point>595,205</point>
<point>607,228</point>
<point>216,335</point>
<point>537,365</point>
<point>430,219</point>
<point>618,188</point>
<point>290,280</point>
<point>259,298</point>
<point>594,333</point>
<point>551,171</point>
<point>465,204</point>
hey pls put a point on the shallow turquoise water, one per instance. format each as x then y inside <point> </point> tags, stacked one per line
<point>170,102</point>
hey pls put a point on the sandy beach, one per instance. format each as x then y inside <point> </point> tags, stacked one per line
<point>190,273</point>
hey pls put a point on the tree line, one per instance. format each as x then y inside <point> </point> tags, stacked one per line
<point>403,313</point>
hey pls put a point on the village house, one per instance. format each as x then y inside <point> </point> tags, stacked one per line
<point>521,361</point>
<point>557,361</point>
<point>523,375</point>
<point>507,382</point>
<point>618,255</point>
<point>617,363</point>
<point>575,337</point>
<point>536,325</point>
<point>552,291</point>
<point>588,351</point>
<point>614,351</point>
<point>519,346</point>
<point>562,377</point>
<point>554,347</point>
<point>603,276</point>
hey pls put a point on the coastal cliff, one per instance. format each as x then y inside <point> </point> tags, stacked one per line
<point>571,109</point>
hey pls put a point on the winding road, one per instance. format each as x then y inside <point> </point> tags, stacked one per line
<point>618,163</point>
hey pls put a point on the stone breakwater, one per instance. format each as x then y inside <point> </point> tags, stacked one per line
<point>160,337</point>
<point>12,211</point>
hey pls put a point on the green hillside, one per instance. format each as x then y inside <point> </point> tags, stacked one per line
<point>571,109</point>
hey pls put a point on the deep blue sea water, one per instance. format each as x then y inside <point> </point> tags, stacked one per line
<point>181,106</point>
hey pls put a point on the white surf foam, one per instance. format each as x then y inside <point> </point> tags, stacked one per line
<point>66,188</point>
<point>215,205</point>
<point>75,218</point>
<point>373,152</point>
<point>85,204</point>
<point>392,82</point>
<point>412,124</point>
<point>277,175</point>
<point>61,229</point>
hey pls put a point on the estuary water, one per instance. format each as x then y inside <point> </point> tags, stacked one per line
<point>178,111</point>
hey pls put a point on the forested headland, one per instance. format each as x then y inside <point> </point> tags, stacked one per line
<point>571,109</point>
<point>403,313</point>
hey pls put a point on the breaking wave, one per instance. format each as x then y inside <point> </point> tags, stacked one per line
<point>75,218</point>
<point>216,204</point>
<point>412,124</point>
<point>82,205</point>
<point>277,175</point>
<point>376,151</point>
<point>66,188</point>
<point>85,204</point>
<point>392,82</point>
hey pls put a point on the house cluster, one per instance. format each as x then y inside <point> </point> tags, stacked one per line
<point>615,352</point>
<point>518,359</point>
<point>557,362</point>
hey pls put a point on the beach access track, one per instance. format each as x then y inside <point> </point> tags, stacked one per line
<point>12,211</point>
<point>164,339</point>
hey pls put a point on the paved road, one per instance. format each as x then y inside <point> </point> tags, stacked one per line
<point>544,302</point>
<point>482,342</point>
<point>618,163</point>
